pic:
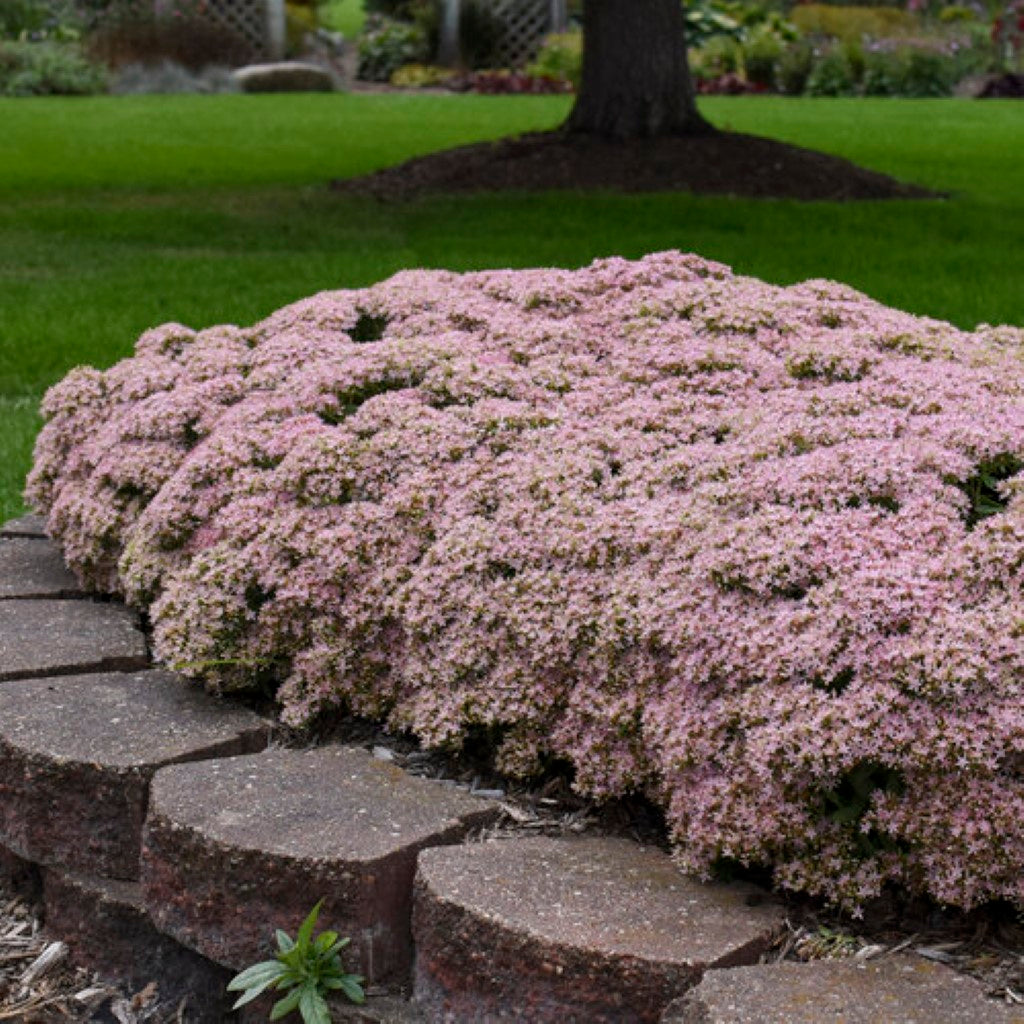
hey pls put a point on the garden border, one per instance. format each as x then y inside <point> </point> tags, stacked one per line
<point>227,846</point>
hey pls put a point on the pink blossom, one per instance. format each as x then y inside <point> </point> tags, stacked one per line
<point>754,551</point>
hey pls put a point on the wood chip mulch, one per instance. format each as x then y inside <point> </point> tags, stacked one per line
<point>39,985</point>
<point>718,163</point>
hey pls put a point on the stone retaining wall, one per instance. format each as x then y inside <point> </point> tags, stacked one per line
<point>168,837</point>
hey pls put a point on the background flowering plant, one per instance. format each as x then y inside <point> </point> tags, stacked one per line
<point>755,551</point>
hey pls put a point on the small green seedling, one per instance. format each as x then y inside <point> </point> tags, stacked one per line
<point>308,967</point>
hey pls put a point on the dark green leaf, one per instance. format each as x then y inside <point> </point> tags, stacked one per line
<point>302,940</point>
<point>285,1006</point>
<point>255,979</point>
<point>312,1006</point>
<point>352,988</point>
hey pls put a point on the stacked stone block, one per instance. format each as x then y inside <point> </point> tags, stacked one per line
<point>167,841</point>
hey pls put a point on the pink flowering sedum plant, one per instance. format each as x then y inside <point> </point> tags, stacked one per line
<point>754,551</point>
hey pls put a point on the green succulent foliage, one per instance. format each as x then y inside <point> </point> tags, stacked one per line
<point>305,967</point>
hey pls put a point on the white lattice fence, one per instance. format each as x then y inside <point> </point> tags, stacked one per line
<point>526,23</point>
<point>261,23</point>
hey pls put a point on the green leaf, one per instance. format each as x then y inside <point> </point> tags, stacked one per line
<point>294,958</point>
<point>255,979</point>
<point>284,942</point>
<point>252,994</point>
<point>312,1006</point>
<point>352,988</point>
<point>325,940</point>
<point>350,984</point>
<point>331,961</point>
<point>286,1005</point>
<point>302,940</point>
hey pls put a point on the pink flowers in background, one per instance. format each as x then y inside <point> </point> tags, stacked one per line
<point>755,551</point>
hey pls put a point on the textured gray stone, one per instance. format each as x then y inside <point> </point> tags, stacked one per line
<point>587,930</point>
<point>899,990</point>
<point>24,526</point>
<point>234,849</point>
<point>77,754</point>
<point>42,638</point>
<point>33,569</point>
<point>108,931</point>
<point>286,76</point>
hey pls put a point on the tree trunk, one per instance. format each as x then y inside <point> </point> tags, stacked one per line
<point>636,79</point>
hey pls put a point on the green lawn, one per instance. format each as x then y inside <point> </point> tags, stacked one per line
<point>120,213</point>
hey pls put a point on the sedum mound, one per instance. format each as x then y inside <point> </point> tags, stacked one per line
<point>754,551</point>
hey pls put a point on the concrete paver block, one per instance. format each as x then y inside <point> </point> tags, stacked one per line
<point>77,754</point>
<point>897,990</point>
<point>34,569</point>
<point>25,526</point>
<point>557,930</point>
<point>236,848</point>
<point>48,638</point>
<point>108,930</point>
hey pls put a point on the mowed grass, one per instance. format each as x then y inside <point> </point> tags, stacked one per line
<point>120,213</point>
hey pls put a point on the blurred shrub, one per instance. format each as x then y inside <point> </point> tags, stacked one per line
<point>420,76</point>
<point>720,55</point>
<point>726,85</point>
<point>761,51</point>
<point>852,22</point>
<point>832,75</point>
<point>38,20</point>
<point>504,82</point>
<point>21,17</point>
<point>742,37</point>
<point>926,72</point>
<point>957,13</point>
<point>708,19</point>
<point>425,15</point>
<point>386,45</point>
<point>909,71</point>
<point>794,68</point>
<point>48,69</point>
<point>560,57</point>
<point>756,17</point>
<point>883,74</point>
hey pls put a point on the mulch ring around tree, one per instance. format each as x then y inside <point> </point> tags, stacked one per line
<point>719,163</point>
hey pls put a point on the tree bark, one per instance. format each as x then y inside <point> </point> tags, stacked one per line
<point>636,79</point>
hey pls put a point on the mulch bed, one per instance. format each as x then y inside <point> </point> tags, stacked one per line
<point>39,985</point>
<point>719,163</point>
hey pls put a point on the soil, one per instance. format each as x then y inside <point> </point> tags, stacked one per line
<point>719,163</point>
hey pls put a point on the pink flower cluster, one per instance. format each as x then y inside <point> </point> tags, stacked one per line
<point>754,551</point>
